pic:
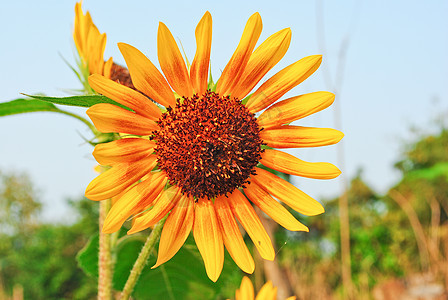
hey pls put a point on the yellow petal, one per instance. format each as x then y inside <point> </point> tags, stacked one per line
<point>282,82</point>
<point>176,230</point>
<point>108,67</point>
<point>288,136</point>
<point>172,63</point>
<point>232,236</point>
<point>208,238</point>
<point>136,198</point>
<point>96,44</point>
<point>201,61</point>
<point>289,164</point>
<point>247,217</point>
<point>264,58</point>
<point>124,150</point>
<point>287,193</point>
<point>78,27</point>
<point>111,118</point>
<point>267,292</point>
<point>272,208</point>
<point>115,199</point>
<point>246,290</point>
<point>235,67</point>
<point>145,76</point>
<point>163,204</point>
<point>295,108</point>
<point>81,30</point>
<point>118,178</point>
<point>126,96</point>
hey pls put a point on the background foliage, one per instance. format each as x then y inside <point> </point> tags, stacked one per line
<point>394,235</point>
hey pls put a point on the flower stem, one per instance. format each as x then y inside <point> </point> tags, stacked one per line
<point>104,257</point>
<point>142,259</point>
<point>87,123</point>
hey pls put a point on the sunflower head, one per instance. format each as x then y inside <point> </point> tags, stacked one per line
<point>200,158</point>
<point>216,148</point>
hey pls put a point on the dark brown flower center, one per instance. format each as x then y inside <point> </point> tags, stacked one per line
<point>209,145</point>
<point>121,75</point>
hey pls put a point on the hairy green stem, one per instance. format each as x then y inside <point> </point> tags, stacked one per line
<point>104,256</point>
<point>142,259</point>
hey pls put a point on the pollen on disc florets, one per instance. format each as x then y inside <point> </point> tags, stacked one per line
<point>208,146</point>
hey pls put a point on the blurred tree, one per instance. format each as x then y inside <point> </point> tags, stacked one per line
<point>315,257</point>
<point>428,151</point>
<point>420,200</point>
<point>44,264</point>
<point>41,257</point>
<point>403,232</point>
<point>19,205</point>
<point>371,237</point>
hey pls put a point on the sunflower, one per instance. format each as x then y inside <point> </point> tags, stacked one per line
<point>267,291</point>
<point>198,159</point>
<point>91,44</point>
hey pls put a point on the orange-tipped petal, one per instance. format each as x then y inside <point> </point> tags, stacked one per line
<point>264,58</point>
<point>126,96</point>
<point>145,76</point>
<point>208,238</point>
<point>176,230</point>
<point>288,136</point>
<point>246,290</point>
<point>201,61</point>
<point>235,67</point>
<point>122,151</point>
<point>295,108</point>
<point>118,178</point>
<point>282,82</point>
<point>289,164</point>
<point>247,217</point>
<point>232,236</point>
<point>267,291</point>
<point>163,204</point>
<point>111,118</point>
<point>272,208</point>
<point>136,198</point>
<point>172,63</point>
<point>287,193</point>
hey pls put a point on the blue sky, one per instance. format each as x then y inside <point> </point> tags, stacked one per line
<point>395,77</point>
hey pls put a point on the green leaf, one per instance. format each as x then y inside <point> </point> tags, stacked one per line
<point>182,277</point>
<point>88,257</point>
<point>19,106</point>
<point>83,100</point>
